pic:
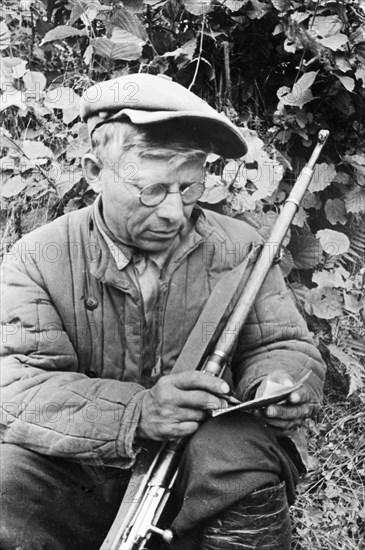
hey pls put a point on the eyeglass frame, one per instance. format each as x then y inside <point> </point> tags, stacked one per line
<point>167,192</point>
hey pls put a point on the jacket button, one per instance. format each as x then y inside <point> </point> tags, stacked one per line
<point>91,373</point>
<point>91,303</point>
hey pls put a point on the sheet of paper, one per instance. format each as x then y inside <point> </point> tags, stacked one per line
<point>266,399</point>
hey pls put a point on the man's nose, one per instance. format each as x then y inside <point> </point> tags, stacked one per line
<point>172,208</point>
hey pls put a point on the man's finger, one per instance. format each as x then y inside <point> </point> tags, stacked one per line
<point>183,429</point>
<point>197,399</point>
<point>198,380</point>
<point>302,395</point>
<point>287,413</point>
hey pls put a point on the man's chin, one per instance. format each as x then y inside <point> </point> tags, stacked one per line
<point>154,241</point>
<point>154,246</point>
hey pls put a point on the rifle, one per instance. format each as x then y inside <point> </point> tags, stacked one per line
<point>155,473</point>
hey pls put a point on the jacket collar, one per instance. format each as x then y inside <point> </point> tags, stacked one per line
<point>109,264</point>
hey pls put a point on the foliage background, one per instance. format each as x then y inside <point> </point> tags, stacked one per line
<point>279,69</point>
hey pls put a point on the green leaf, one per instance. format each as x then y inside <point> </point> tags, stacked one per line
<point>306,250</point>
<point>13,186</point>
<point>354,369</point>
<point>360,74</point>
<point>129,47</point>
<point>300,94</point>
<point>256,9</point>
<point>33,219</point>
<point>215,190</point>
<point>134,6</point>
<point>357,161</point>
<point>6,139</point>
<point>354,305</point>
<point>69,115</point>
<point>35,82</point>
<point>129,22</point>
<point>155,3</point>
<point>7,163</point>
<point>355,200</point>
<point>234,172</point>
<point>19,69</point>
<point>325,25</point>
<point>346,81</point>
<point>12,98</point>
<point>335,210</point>
<point>324,302</point>
<point>265,177</point>
<point>200,7</point>
<point>323,176</point>
<point>62,98</point>
<point>310,200</point>
<point>335,42</point>
<point>253,142</point>
<point>337,278</point>
<point>91,12</point>
<point>102,46</point>
<point>79,146</point>
<point>233,5</point>
<point>342,63</point>
<point>67,181</point>
<point>281,5</point>
<point>241,202</point>
<point>4,36</point>
<point>61,32</point>
<point>333,242</point>
<point>6,72</point>
<point>36,149</point>
<point>78,8</point>
<point>300,217</point>
<point>358,36</point>
<point>343,178</point>
<point>286,263</point>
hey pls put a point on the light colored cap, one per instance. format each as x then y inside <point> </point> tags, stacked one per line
<point>148,99</point>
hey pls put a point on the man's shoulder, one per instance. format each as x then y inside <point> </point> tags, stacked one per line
<point>226,228</point>
<point>53,241</point>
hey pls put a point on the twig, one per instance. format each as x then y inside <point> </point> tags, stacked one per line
<point>227,71</point>
<point>20,150</point>
<point>200,53</point>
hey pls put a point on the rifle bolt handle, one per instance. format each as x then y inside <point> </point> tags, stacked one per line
<point>166,534</point>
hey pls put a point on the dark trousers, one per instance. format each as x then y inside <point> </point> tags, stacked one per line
<point>52,504</point>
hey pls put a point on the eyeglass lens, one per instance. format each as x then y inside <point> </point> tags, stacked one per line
<point>154,194</point>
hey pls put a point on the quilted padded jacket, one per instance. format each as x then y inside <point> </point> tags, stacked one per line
<point>77,353</point>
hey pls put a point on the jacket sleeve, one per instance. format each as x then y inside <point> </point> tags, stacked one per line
<point>275,336</point>
<point>47,405</point>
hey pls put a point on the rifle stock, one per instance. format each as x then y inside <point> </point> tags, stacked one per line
<point>154,473</point>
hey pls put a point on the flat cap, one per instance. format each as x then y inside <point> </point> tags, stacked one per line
<point>148,99</point>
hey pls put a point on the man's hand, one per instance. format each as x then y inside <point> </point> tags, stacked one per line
<point>297,407</point>
<point>178,403</point>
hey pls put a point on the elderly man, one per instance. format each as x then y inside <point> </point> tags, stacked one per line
<point>98,305</point>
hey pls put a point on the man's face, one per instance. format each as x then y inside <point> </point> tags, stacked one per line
<point>148,228</point>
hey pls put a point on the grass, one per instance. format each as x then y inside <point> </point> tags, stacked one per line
<point>329,513</point>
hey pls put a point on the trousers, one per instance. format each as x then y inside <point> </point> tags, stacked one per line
<point>49,503</point>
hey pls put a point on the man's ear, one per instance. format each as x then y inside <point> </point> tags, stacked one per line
<point>91,167</point>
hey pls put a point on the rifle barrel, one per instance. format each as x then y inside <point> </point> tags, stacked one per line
<point>266,259</point>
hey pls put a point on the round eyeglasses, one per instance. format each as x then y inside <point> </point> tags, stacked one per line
<point>155,193</point>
